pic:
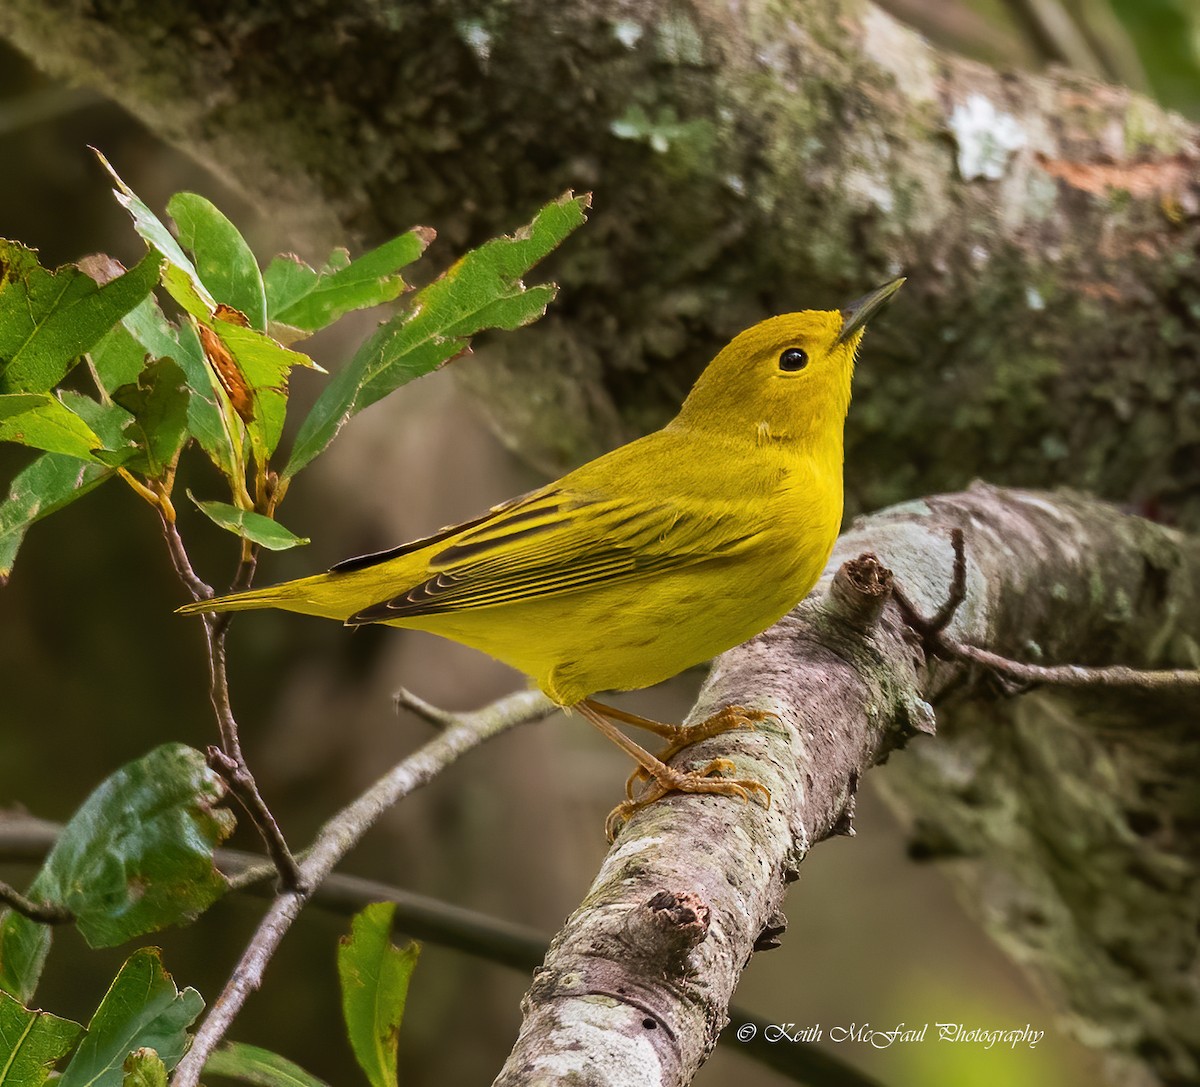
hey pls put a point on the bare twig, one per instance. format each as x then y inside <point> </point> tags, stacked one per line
<point>521,707</point>
<point>199,589</point>
<point>228,760</point>
<point>516,946</point>
<point>333,842</point>
<point>933,630</point>
<point>45,912</point>
<point>1072,675</point>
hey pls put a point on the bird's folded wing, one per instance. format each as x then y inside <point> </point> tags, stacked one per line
<point>555,542</point>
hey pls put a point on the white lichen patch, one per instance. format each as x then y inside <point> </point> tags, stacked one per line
<point>476,36</point>
<point>621,854</point>
<point>679,40</point>
<point>986,138</point>
<point>901,52</point>
<point>869,189</point>
<point>627,32</point>
<point>589,1035</point>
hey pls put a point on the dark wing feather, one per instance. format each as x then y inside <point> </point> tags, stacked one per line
<point>549,546</point>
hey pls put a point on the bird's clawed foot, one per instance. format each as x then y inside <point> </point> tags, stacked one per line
<point>724,720</point>
<point>656,776</point>
<point>670,780</point>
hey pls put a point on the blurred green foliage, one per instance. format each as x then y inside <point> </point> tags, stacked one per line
<point>1166,34</point>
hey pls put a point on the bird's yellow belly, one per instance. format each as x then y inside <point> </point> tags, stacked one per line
<point>622,638</point>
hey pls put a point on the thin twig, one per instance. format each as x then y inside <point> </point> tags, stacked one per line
<point>199,589</point>
<point>45,912</point>
<point>228,760</point>
<point>933,630</point>
<point>424,918</point>
<point>528,706</point>
<point>333,842</point>
<point>1073,675</point>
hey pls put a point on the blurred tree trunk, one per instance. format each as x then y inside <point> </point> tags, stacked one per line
<point>746,160</point>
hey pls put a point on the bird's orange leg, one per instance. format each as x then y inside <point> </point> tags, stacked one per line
<point>680,736</point>
<point>666,779</point>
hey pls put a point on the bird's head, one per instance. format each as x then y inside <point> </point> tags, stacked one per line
<point>788,377</point>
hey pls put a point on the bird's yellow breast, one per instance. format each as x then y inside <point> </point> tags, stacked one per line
<point>636,631</point>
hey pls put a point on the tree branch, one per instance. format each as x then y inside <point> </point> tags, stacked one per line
<point>45,912</point>
<point>421,917</point>
<point>335,839</point>
<point>848,688</point>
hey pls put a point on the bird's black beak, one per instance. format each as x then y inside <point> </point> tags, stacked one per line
<point>860,311</point>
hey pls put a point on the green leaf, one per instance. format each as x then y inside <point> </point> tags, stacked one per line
<point>108,421</point>
<point>251,1064</point>
<point>142,1009</point>
<point>144,1068</point>
<point>31,1042</point>
<point>206,422</point>
<point>44,422</point>
<point>138,855</point>
<point>252,526</point>
<point>44,487</point>
<point>374,974</point>
<point>117,358</point>
<point>224,261</point>
<point>301,298</point>
<point>180,277</point>
<point>24,945</point>
<point>48,319</point>
<point>483,290</point>
<point>159,406</point>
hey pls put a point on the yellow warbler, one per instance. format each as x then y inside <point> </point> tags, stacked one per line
<point>648,560</point>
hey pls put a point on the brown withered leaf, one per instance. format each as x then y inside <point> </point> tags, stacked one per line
<point>230,315</point>
<point>228,374</point>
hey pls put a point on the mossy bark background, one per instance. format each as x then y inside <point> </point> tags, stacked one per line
<point>747,160</point>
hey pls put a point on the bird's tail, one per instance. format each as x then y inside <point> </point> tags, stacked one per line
<point>308,595</point>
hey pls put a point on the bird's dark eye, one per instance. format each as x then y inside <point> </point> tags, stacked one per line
<point>793,359</point>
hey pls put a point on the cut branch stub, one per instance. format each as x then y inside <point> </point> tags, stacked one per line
<point>859,590</point>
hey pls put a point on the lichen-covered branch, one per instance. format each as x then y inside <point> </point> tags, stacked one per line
<point>745,159</point>
<point>1077,855</point>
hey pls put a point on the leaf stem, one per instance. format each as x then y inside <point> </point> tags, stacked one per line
<point>45,912</point>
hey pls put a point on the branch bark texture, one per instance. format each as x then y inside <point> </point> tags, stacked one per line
<point>747,159</point>
<point>1086,867</point>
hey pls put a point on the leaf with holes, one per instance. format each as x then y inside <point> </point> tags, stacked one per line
<point>142,1009</point>
<point>48,319</point>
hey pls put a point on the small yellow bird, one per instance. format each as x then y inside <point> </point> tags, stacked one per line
<point>646,561</point>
